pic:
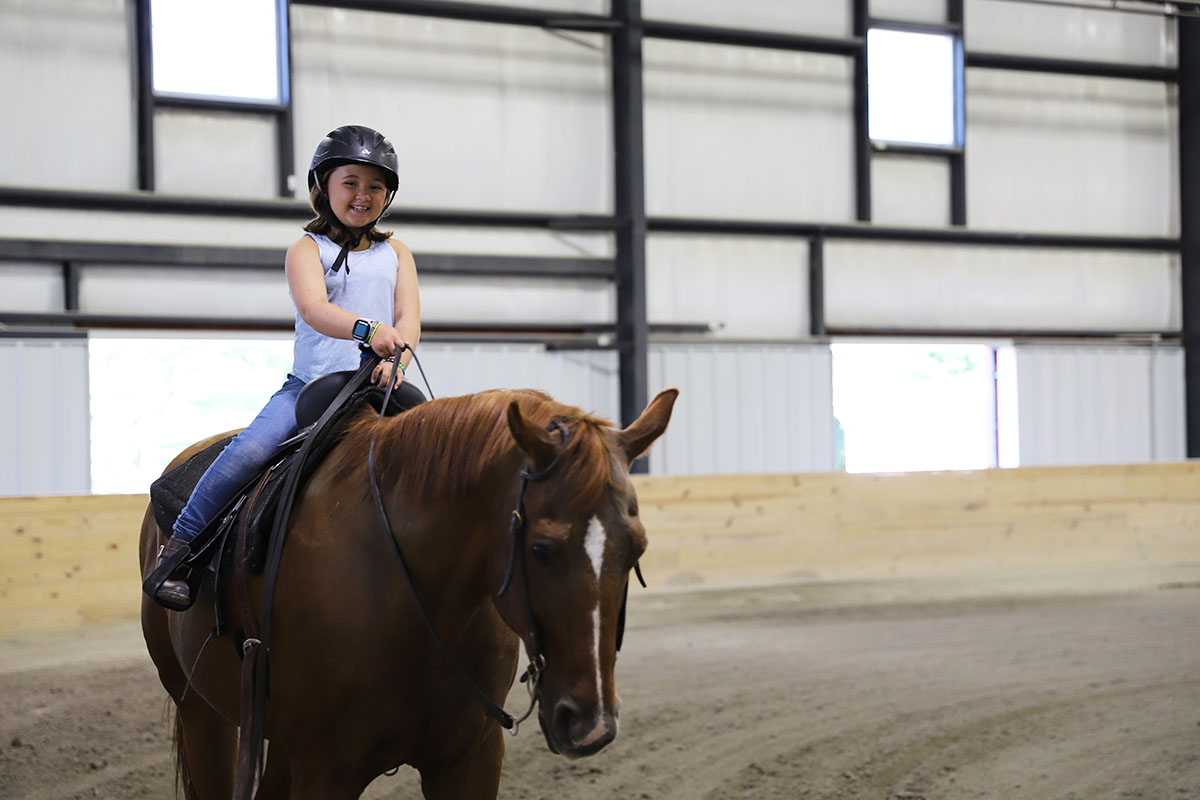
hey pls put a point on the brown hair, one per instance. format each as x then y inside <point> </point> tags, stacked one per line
<point>323,222</point>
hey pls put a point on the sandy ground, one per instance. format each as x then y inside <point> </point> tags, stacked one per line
<point>766,693</point>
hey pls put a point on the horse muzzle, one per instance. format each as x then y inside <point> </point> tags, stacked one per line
<point>573,734</point>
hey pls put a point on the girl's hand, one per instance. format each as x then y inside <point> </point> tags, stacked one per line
<point>381,372</point>
<point>387,341</point>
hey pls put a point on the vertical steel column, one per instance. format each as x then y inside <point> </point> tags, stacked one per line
<point>1189,210</point>
<point>285,134</point>
<point>70,275</point>
<point>958,160</point>
<point>862,139</point>
<point>630,202</point>
<point>816,286</point>
<point>145,96</point>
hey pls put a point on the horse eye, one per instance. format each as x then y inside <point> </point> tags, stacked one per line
<point>541,551</point>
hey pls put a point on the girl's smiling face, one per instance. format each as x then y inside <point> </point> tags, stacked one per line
<point>357,194</point>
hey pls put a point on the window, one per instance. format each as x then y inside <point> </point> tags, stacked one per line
<point>154,395</point>
<point>914,87</point>
<point>220,49</point>
<point>902,407</point>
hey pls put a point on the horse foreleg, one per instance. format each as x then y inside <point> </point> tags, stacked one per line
<point>277,776</point>
<point>473,777</point>
<point>206,745</point>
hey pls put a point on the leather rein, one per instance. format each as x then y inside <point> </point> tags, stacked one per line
<point>537,661</point>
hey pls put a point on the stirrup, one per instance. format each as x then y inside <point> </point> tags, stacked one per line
<point>162,584</point>
<point>174,595</point>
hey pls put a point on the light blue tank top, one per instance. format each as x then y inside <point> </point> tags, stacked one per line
<point>365,286</point>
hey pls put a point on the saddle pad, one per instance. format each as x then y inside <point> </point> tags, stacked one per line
<point>170,493</point>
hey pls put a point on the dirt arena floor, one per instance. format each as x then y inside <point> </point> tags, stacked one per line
<point>770,693</point>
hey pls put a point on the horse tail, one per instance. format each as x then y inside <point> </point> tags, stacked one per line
<point>183,778</point>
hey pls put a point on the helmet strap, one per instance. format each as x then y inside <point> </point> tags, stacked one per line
<point>344,254</point>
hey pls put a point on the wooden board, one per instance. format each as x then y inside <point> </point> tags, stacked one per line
<point>72,561</point>
<point>69,561</point>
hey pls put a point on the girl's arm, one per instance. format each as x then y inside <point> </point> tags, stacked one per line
<point>407,301</point>
<point>306,279</point>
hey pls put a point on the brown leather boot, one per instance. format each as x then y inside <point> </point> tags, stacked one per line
<point>174,593</point>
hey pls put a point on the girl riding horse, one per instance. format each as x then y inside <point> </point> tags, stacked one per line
<point>351,283</point>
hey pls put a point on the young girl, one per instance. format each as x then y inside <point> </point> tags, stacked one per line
<point>350,283</point>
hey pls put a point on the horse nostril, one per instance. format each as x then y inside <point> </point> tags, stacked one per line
<point>565,714</point>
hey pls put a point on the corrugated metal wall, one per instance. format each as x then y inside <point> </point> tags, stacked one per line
<point>44,417</point>
<point>742,408</point>
<point>1100,405</point>
<point>745,408</point>
<point>584,378</point>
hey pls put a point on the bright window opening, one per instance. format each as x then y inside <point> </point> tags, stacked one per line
<point>912,87</point>
<point>904,407</point>
<point>227,49</point>
<point>153,397</point>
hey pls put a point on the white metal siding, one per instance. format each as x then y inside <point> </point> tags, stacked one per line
<point>1071,153</point>
<point>748,133</point>
<point>583,378</point>
<point>482,116</point>
<point>66,91</point>
<point>44,418</point>
<point>1059,31</point>
<point>693,280</point>
<point>745,408</point>
<point>1003,288</point>
<point>1100,405</point>
<point>742,408</point>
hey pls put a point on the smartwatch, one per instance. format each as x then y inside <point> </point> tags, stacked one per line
<point>363,328</point>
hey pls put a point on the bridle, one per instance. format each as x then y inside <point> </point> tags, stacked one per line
<point>516,534</point>
<point>534,673</point>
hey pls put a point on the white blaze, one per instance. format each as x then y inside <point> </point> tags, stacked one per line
<point>594,545</point>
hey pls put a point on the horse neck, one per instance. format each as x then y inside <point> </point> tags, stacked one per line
<point>458,536</point>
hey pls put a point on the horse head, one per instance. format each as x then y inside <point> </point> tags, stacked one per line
<point>570,568</point>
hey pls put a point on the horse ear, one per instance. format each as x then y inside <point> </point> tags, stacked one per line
<point>532,440</point>
<point>638,437</point>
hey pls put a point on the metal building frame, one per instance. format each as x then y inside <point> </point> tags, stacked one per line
<point>148,101</point>
<point>629,223</point>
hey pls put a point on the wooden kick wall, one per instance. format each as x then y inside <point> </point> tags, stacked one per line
<point>72,561</point>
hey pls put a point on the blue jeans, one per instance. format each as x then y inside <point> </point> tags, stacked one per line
<point>240,460</point>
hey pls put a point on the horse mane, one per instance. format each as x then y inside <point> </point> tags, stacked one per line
<point>441,449</point>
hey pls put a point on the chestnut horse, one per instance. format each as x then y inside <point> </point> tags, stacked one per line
<point>358,685</point>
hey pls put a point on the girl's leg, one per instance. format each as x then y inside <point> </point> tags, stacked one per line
<point>240,461</point>
<point>234,467</point>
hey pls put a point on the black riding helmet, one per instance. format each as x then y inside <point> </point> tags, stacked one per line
<point>351,144</point>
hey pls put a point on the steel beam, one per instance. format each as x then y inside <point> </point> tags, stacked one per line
<point>1189,215</point>
<point>475,12</point>
<point>144,78</point>
<point>965,236</point>
<point>862,138</point>
<point>816,286</point>
<point>775,40</point>
<point>1066,66</point>
<point>150,203</point>
<point>630,201</point>
<point>199,257</point>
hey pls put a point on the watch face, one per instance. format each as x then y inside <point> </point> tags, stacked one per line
<point>361,329</point>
